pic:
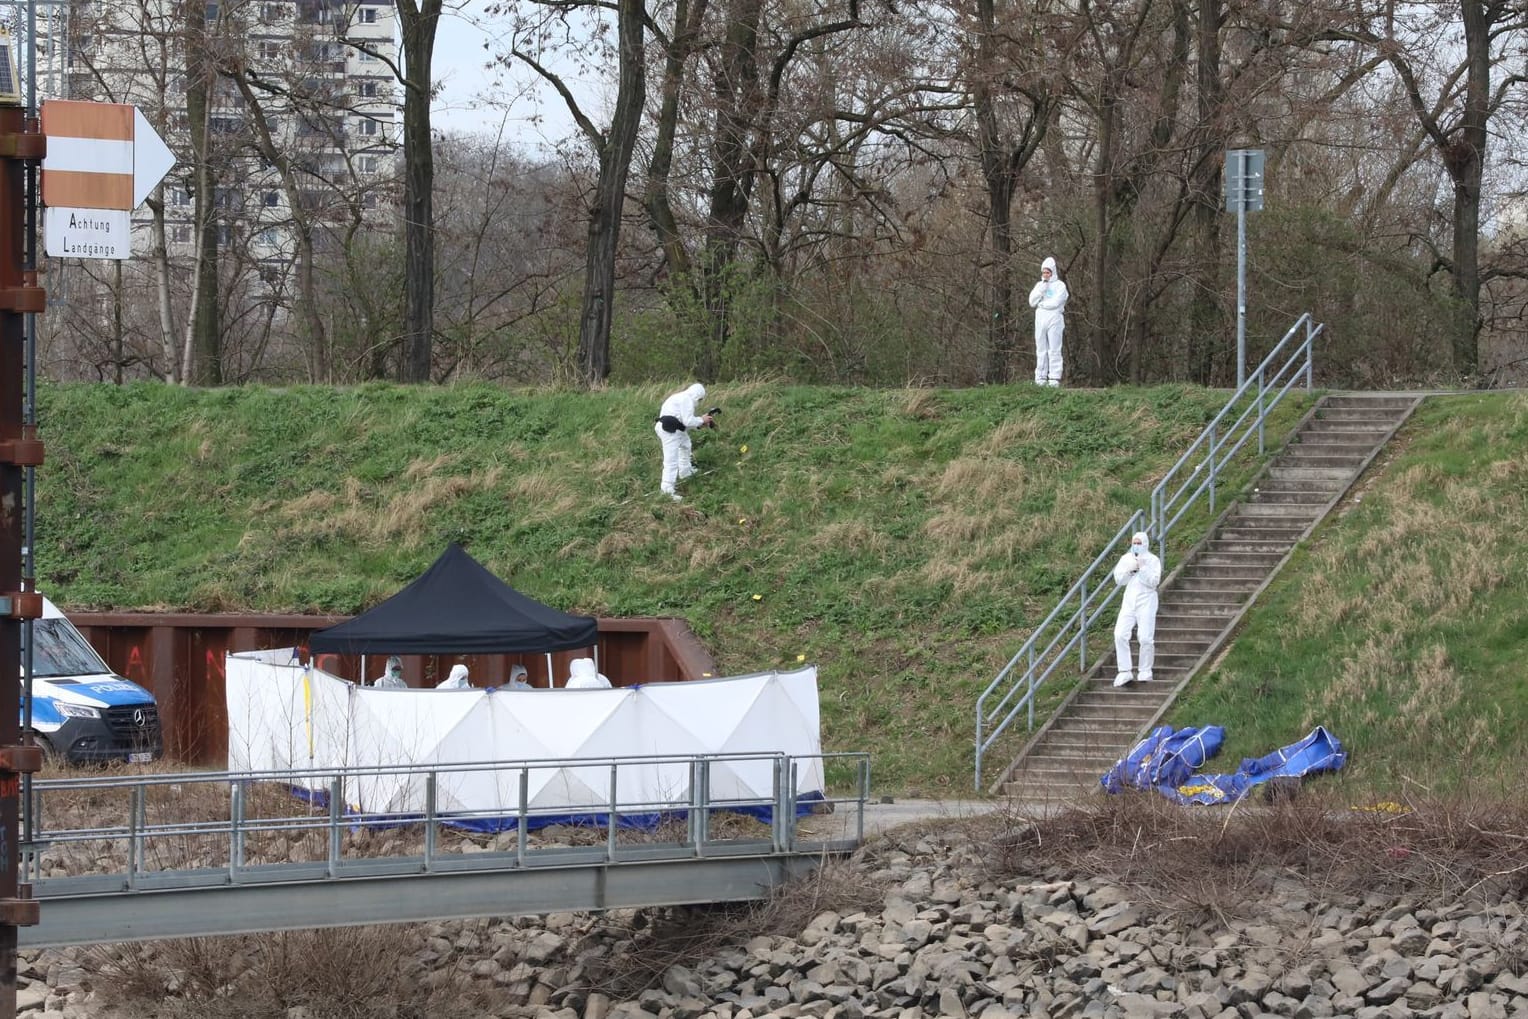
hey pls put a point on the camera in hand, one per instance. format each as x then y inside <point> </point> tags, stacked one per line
<point>713,414</point>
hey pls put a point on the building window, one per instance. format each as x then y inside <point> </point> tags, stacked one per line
<point>212,12</point>
<point>270,237</point>
<point>368,164</point>
<point>271,13</point>
<point>271,199</point>
<point>368,15</point>
<point>368,128</point>
<point>180,234</point>
<point>179,197</point>
<point>270,50</point>
<point>368,89</point>
<point>368,57</point>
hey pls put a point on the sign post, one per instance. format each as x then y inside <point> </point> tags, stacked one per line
<point>1244,194</point>
<point>103,160</point>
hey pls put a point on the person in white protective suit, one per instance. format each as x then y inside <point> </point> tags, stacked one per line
<point>517,679</point>
<point>1138,572</point>
<point>392,676</point>
<point>1048,298</point>
<point>582,675</point>
<point>456,681</point>
<point>675,419</point>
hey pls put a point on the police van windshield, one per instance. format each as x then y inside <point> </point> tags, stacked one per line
<point>58,649</point>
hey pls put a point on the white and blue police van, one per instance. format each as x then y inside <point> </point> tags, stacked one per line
<point>82,712</point>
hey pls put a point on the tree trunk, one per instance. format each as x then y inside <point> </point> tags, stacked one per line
<point>117,345</point>
<point>999,180</point>
<point>1465,158</point>
<point>1105,345</point>
<point>202,365</point>
<point>610,197</point>
<point>162,288</point>
<point>1206,322</point>
<point>660,211</point>
<point>417,22</point>
<point>737,97</point>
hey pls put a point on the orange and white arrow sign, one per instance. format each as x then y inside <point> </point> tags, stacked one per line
<point>103,159</point>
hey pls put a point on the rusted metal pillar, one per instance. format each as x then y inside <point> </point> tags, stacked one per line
<point>20,142</point>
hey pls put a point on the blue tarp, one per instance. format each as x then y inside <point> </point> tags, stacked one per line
<point>1168,761</point>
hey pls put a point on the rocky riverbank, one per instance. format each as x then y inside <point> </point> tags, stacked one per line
<point>931,921</point>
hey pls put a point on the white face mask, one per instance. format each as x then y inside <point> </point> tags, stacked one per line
<point>1137,549</point>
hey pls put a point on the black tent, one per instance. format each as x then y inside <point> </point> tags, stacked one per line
<point>457,607</point>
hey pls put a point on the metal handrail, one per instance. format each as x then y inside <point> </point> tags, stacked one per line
<point>334,819</point>
<point>1066,628</point>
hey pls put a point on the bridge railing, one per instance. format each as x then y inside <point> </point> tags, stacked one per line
<point>237,827</point>
<point>1196,478</point>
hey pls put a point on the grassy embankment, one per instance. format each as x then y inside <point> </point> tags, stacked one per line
<point>905,541</point>
<point>1403,625</point>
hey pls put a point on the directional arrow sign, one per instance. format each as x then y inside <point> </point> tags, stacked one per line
<point>103,159</point>
<point>152,158</point>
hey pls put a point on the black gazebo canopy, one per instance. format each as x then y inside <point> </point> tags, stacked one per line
<point>457,607</point>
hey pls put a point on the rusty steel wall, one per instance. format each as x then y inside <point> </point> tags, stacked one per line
<point>179,658</point>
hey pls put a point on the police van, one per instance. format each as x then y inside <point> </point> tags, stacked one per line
<point>82,712</point>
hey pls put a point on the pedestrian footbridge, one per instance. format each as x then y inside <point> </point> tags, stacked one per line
<point>187,854</point>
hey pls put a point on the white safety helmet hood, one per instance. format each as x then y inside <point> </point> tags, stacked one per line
<point>1050,263</point>
<point>581,668</point>
<point>697,391</point>
<point>458,672</point>
<point>1140,537</point>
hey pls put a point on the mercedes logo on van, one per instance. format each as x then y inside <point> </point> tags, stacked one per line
<point>139,718</point>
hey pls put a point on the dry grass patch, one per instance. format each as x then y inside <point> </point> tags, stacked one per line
<point>1015,431</point>
<point>1209,862</point>
<point>344,973</point>
<point>920,404</point>
<point>848,534</point>
<point>986,482</point>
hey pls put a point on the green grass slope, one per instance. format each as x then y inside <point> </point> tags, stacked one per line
<point>1403,625</point>
<point>905,541</point>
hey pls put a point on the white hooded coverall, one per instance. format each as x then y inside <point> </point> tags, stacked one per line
<point>392,676</point>
<point>676,444</point>
<point>1048,298</point>
<point>456,681</point>
<point>1139,573</point>
<point>582,675</point>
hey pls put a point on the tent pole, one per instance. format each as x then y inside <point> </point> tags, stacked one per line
<point>361,680</point>
<point>596,658</point>
<point>551,680</point>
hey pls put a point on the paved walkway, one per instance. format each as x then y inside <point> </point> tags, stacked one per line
<point>880,817</point>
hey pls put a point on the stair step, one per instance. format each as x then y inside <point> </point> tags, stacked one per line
<point>1303,496</point>
<point>1329,445</point>
<point>1274,546</point>
<point>1315,458</point>
<point>1202,570</point>
<point>1192,614</point>
<point>1357,416</point>
<point>1232,586</point>
<point>1348,426</point>
<point>1344,401</point>
<point>1250,510</point>
<point>1329,474</point>
<point>1087,770</point>
<point>1203,635</point>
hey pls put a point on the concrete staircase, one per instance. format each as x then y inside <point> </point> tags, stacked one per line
<point>1204,599</point>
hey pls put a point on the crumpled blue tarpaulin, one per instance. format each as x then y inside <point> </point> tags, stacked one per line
<point>1167,760</point>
